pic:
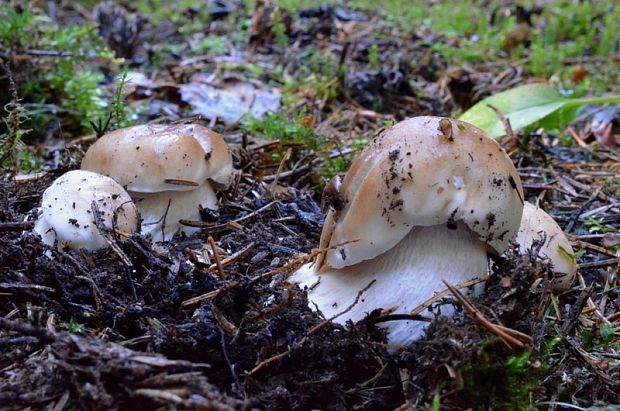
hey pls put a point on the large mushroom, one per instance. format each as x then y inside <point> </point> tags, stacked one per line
<point>540,232</point>
<point>423,203</point>
<point>66,213</point>
<point>169,170</point>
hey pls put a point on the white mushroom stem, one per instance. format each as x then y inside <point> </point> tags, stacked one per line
<point>162,211</point>
<point>406,276</point>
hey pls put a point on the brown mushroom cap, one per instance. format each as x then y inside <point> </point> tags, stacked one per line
<point>155,157</point>
<point>537,225</point>
<point>424,171</point>
<point>66,213</point>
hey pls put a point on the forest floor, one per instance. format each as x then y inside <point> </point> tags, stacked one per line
<point>296,92</point>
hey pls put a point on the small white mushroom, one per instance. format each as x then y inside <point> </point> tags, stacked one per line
<point>424,202</point>
<point>537,226</point>
<point>66,215</point>
<point>170,170</point>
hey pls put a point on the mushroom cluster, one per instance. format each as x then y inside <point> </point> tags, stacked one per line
<point>66,213</point>
<point>423,203</point>
<point>171,172</point>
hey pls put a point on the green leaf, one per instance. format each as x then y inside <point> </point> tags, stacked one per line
<point>528,105</point>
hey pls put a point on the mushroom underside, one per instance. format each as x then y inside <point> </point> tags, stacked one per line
<point>405,276</point>
<point>162,211</point>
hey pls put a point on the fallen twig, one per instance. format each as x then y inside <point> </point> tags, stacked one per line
<point>511,338</point>
<point>216,257</point>
<point>418,310</point>
<point>17,226</point>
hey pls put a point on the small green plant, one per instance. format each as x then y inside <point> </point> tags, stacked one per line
<point>11,141</point>
<point>214,45</point>
<point>573,256</point>
<point>436,404</point>
<point>64,84</point>
<point>594,226</point>
<point>373,57</point>
<point>119,101</point>
<point>279,29</point>
<point>607,333</point>
<point>550,348</point>
<point>74,327</point>
<point>278,127</point>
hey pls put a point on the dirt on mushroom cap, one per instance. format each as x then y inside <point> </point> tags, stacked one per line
<point>66,214</point>
<point>416,174</point>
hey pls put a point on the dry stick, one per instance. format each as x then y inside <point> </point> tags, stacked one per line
<point>346,310</point>
<point>609,284</point>
<point>96,291</point>
<point>511,338</point>
<point>289,173</point>
<point>591,304</point>
<point>112,243</point>
<point>18,286</point>
<point>505,121</point>
<point>418,310</point>
<point>42,334</point>
<point>597,264</point>
<point>312,331</point>
<point>210,226</point>
<point>576,137</point>
<point>211,294</point>
<point>291,265</point>
<point>592,247</point>
<point>216,257</point>
<point>234,257</point>
<point>181,182</point>
<point>103,230</point>
<point>17,226</point>
<point>235,123</point>
<point>580,210</point>
<point>273,184</point>
<point>576,309</point>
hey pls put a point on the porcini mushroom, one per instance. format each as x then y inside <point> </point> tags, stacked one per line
<point>538,226</point>
<point>424,202</point>
<point>66,212</point>
<point>169,170</point>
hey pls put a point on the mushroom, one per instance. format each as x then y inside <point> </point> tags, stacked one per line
<point>537,226</point>
<point>423,203</point>
<point>66,210</point>
<point>169,170</point>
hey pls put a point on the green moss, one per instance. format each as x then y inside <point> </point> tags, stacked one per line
<point>506,385</point>
<point>278,127</point>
